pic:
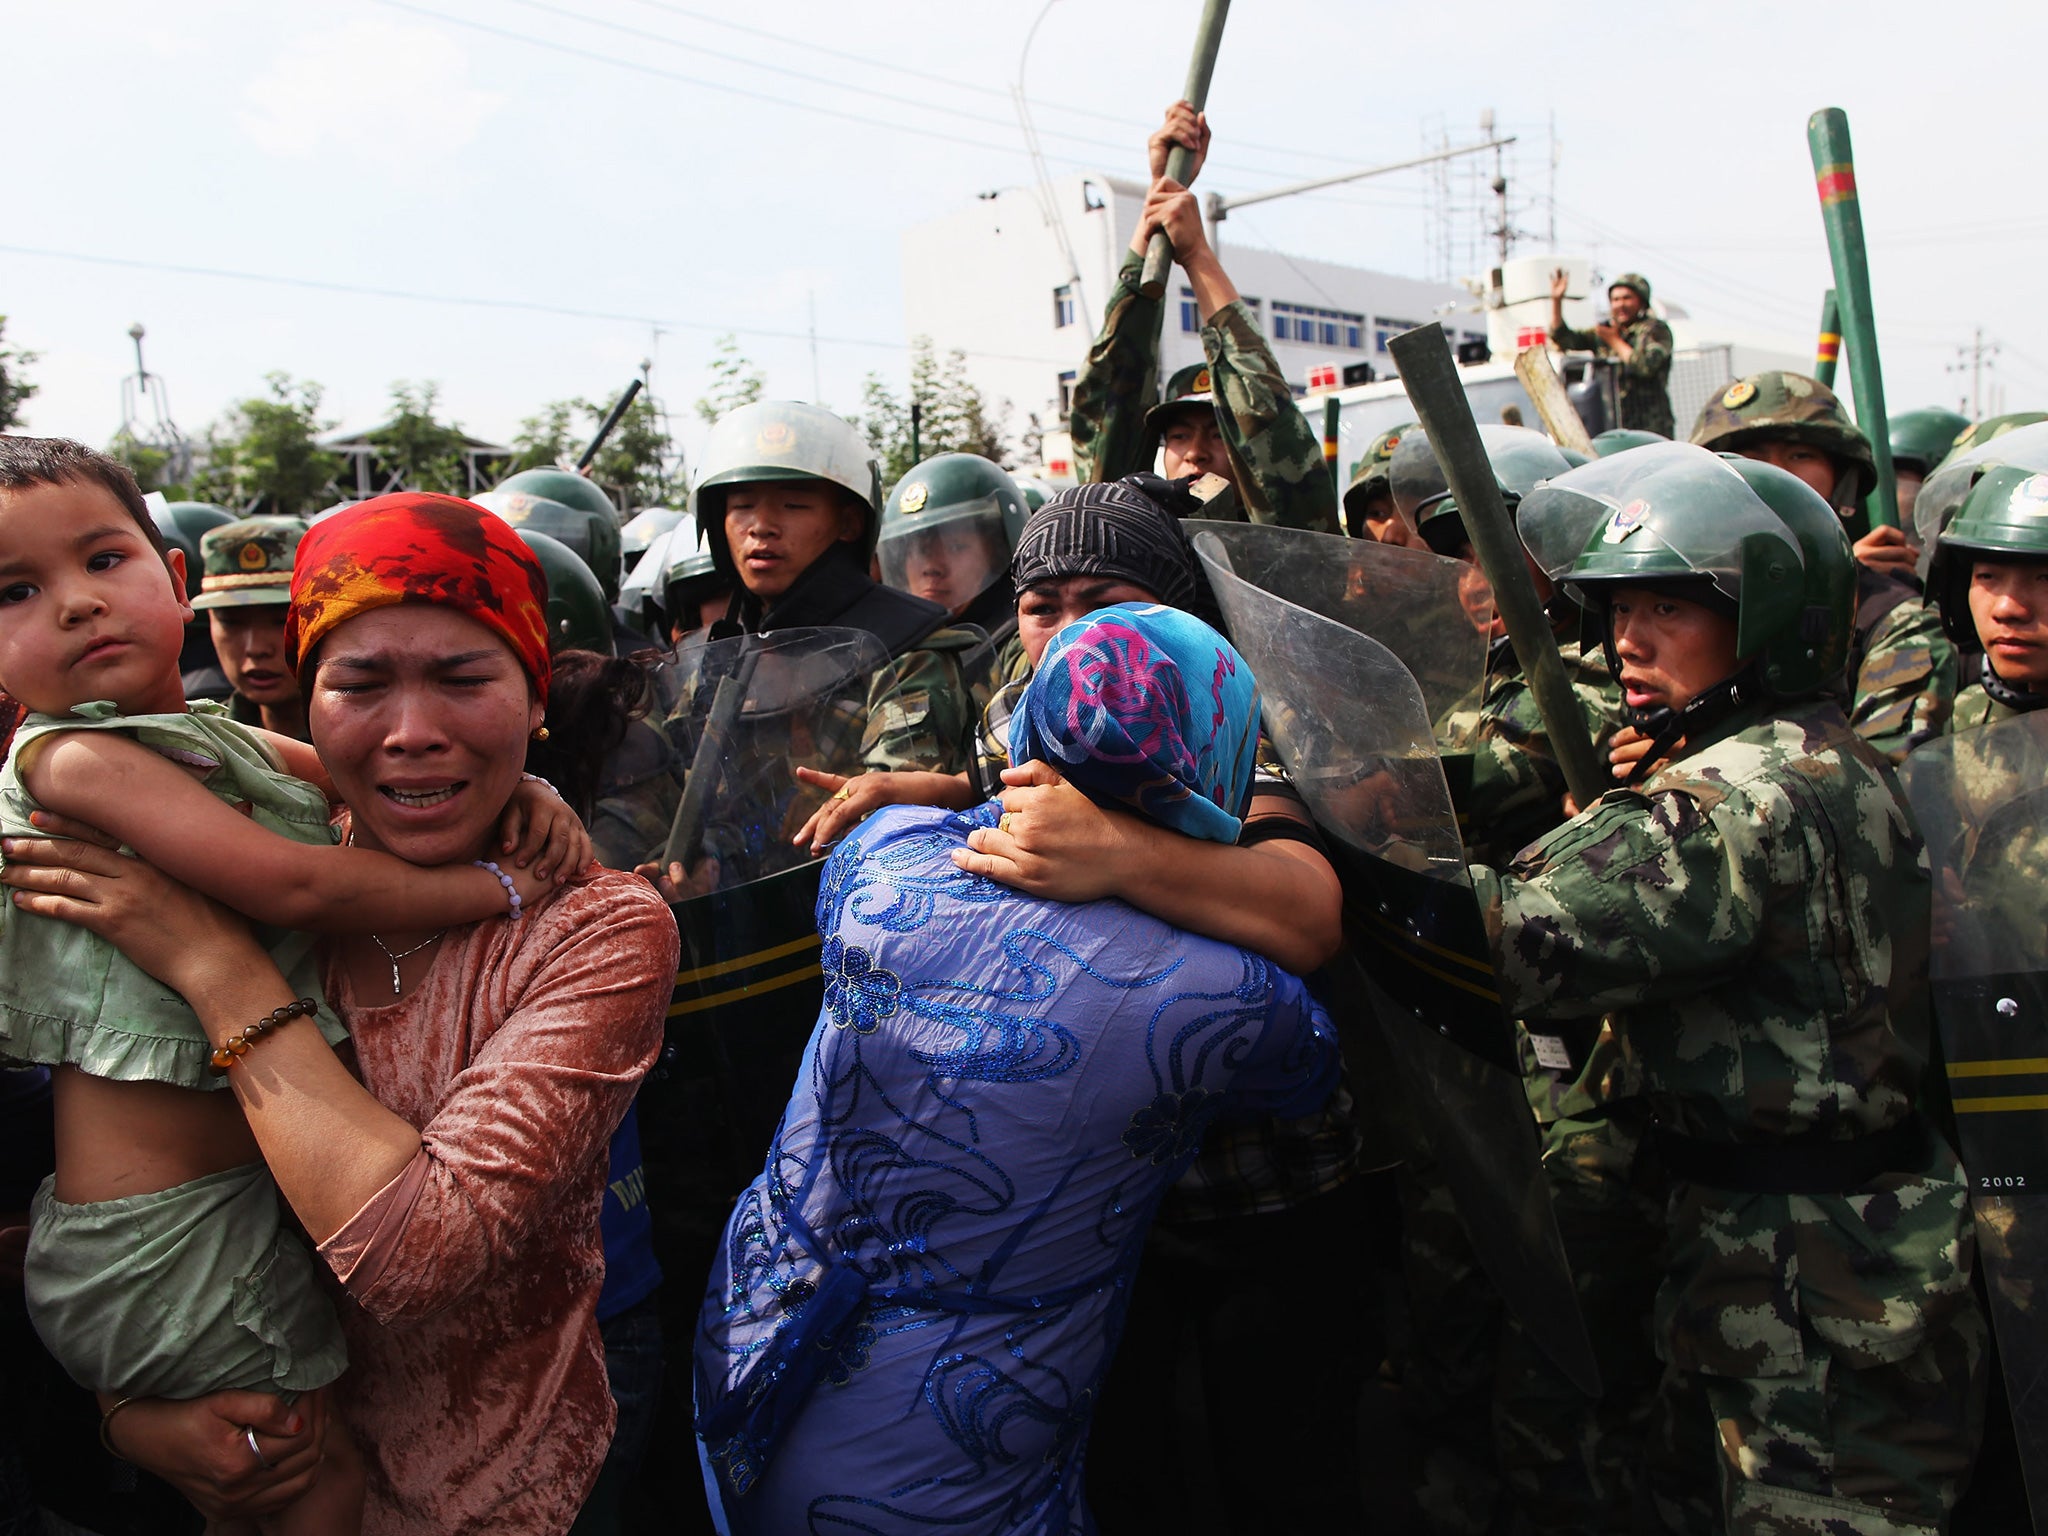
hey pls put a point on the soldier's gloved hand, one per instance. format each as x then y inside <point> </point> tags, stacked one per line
<point>1184,126</point>
<point>538,825</point>
<point>1888,552</point>
<point>1058,844</point>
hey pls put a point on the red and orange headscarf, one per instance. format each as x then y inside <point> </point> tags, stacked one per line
<point>413,547</point>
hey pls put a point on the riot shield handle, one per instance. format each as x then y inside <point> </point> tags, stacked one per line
<point>611,420</point>
<point>1430,375</point>
<point>707,764</point>
<point>1180,159</point>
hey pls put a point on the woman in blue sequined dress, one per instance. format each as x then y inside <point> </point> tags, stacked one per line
<point>916,1301</point>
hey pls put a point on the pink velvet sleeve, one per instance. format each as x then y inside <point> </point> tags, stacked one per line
<point>522,1119</point>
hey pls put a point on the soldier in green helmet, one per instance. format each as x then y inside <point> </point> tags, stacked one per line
<point>1979,433</point>
<point>592,535</point>
<point>1990,581</point>
<point>1901,669</point>
<point>245,587</point>
<point>1232,415</point>
<point>947,533</point>
<point>1742,914</point>
<point>577,614</point>
<point>1369,499</point>
<point>1920,441</point>
<point>1634,338</point>
<point>183,524</point>
<point>790,504</point>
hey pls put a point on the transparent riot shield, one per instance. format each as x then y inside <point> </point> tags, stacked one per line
<point>1420,606</point>
<point>1981,798</point>
<point>1944,490</point>
<point>1414,989</point>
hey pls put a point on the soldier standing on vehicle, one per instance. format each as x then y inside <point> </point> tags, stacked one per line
<point>1232,416</point>
<point>1746,916</point>
<point>1634,338</point>
<point>1901,670</point>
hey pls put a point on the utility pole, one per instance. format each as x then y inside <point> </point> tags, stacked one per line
<point>817,389</point>
<point>1502,233</point>
<point>1973,358</point>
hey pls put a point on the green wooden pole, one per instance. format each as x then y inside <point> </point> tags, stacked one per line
<point>1834,173</point>
<point>1180,160</point>
<point>1430,375</point>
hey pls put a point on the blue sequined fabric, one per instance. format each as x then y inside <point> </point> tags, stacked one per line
<point>915,1303</point>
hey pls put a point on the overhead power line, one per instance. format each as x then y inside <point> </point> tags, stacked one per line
<point>527,306</point>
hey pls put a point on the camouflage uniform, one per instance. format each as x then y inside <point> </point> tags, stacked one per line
<point>1975,707</point>
<point>1646,376</point>
<point>1904,672</point>
<point>1275,456</point>
<point>1570,1464</point>
<point>921,711</point>
<point>1750,916</point>
<point>1517,790</point>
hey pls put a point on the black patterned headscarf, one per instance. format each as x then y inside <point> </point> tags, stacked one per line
<point>1110,529</point>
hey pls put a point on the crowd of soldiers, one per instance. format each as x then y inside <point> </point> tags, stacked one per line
<point>1727,1082</point>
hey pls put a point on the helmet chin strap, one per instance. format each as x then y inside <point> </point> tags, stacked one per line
<point>1665,725</point>
<point>2004,692</point>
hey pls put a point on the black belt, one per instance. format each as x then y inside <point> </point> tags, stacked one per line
<point>1801,1167</point>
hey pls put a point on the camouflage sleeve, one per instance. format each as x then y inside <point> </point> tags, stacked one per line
<point>920,715</point>
<point>1119,384</point>
<point>1564,337</point>
<point>1639,899</point>
<point>1278,459</point>
<point>1906,688</point>
<point>1651,352</point>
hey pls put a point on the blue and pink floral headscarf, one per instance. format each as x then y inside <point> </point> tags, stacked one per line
<point>1146,708</point>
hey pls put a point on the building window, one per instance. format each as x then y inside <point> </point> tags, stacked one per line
<point>1067,394</point>
<point>1333,328</point>
<point>1190,312</point>
<point>1063,306</point>
<point>1384,330</point>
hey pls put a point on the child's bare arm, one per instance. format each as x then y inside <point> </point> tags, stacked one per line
<point>175,823</point>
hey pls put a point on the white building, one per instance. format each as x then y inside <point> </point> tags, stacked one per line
<point>1020,288</point>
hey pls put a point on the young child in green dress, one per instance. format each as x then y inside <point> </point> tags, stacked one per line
<point>158,1265</point>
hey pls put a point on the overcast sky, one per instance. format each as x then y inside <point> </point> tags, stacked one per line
<point>259,183</point>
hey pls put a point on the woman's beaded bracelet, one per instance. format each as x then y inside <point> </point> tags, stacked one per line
<point>511,890</point>
<point>236,1046</point>
<point>546,784</point>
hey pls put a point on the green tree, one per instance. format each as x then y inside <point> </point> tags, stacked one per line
<point>637,463</point>
<point>15,388</point>
<point>734,381</point>
<point>149,464</point>
<point>955,417</point>
<point>425,452</point>
<point>544,437</point>
<point>263,456</point>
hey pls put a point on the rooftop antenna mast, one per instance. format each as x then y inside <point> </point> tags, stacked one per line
<point>144,391</point>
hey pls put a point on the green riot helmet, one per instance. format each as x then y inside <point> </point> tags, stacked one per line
<point>2024,447</point>
<point>689,576</point>
<point>183,524</point>
<point>1522,459</point>
<point>1036,492</point>
<point>579,613</point>
<point>1372,476</point>
<point>565,486</point>
<point>641,530</point>
<point>593,536</point>
<point>1807,661</point>
<point>1921,439</point>
<point>948,529</point>
<point>782,440</point>
<point>1982,432</point>
<point>2005,517</point>
<point>1677,516</point>
<point>1621,439</point>
<point>1777,406</point>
